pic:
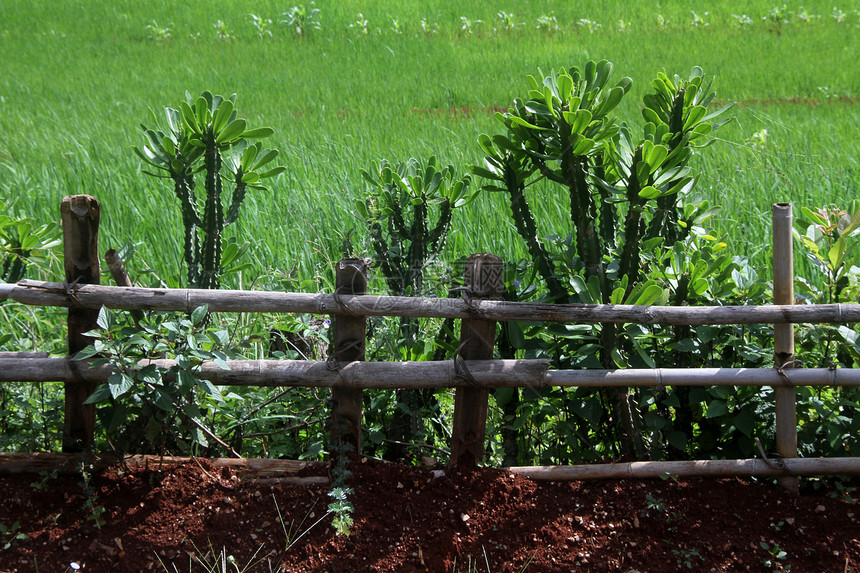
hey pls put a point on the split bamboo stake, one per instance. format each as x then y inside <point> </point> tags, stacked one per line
<point>121,278</point>
<point>482,280</point>
<point>783,338</point>
<point>40,293</point>
<point>349,344</point>
<point>697,468</point>
<point>80,216</point>
<point>433,374</point>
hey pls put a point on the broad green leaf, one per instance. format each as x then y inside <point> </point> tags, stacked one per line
<point>836,253</point>
<point>578,120</point>
<point>745,421</point>
<point>233,130</point>
<point>649,192</point>
<point>201,112</point>
<point>583,146</point>
<point>656,156</point>
<point>655,421</point>
<point>486,173</point>
<point>222,116</point>
<point>150,375</point>
<point>565,87</point>
<point>520,121</point>
<point>651,116</point>
<point>699,286</point>
<point>105,318</point>
<point>695,114</point>
<point>119,383</point>
<point>198,315</point>
<point>642,172</point>
<point>189,117</point>
<point>258,133</point>
<point>643,354</point>
<point>717,408</point>
<point>649,296</point>
<point>272,172</point>
<point>677,440</point>
<point>101,394</point>
<point>210,390</point>
<point>613,98</point>
<point>581,288</point>
<point>716,114</point>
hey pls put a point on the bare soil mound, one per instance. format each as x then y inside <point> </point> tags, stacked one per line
<point>418,519</point>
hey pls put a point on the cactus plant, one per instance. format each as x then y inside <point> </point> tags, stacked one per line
<point>206,129</point>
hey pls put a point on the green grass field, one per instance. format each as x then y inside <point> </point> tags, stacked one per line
<point>77,78</point>
<point>390,80</point>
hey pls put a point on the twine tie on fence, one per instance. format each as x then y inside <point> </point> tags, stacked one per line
<point>461,370</point>
<point>781,371</point>
<point>776,461</point>
<point>69,288</point>
<point>335,365</point>
<point>466,293</point>
<point>660,387</point>
<point>342,306</point>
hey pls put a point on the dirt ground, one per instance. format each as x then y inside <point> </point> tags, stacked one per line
<point>419,519</point>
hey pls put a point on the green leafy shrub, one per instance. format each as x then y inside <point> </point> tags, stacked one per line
<point>149,407</point>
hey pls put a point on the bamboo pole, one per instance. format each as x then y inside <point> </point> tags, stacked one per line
<point>121,278</point>
<point>288,471</point>
<point>434,374</point>
<point>783,338</point>
<point>483,280</point>
<point>40,293</point>
<point>697,468</point>
<point>284,471</point>
<point>117,269</point>
<point>80,216</point>
<point>4,355</point>
<point>349,345</point>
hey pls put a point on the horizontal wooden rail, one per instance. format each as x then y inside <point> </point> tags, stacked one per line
<point>133,298</point>
<point>257,469</point>
<point>290,471</point>
<point>438,374</point>
<point>697,468</point>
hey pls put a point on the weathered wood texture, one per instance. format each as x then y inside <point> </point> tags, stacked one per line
<point>436,374</point>
<point>80,215</point>
<point>40,293</point>
<point>117,269</point>
<point>482,280</point>
<point>24,355</point>
<point>783,338</point>
<point>699,468</point>
<point>348,347</point>
<point>285,471</point>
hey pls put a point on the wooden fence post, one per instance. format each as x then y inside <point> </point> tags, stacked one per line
<point>348,346</point>
<point>482,280</point>
<point>80,216</point>
<point>783,338</point>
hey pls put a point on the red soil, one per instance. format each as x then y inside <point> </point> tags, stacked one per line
<point>407,519</point>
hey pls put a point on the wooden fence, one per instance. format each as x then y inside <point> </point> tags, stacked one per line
<point>472,372</point>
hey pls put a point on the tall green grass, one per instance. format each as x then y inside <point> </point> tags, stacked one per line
<point>77,78</point>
